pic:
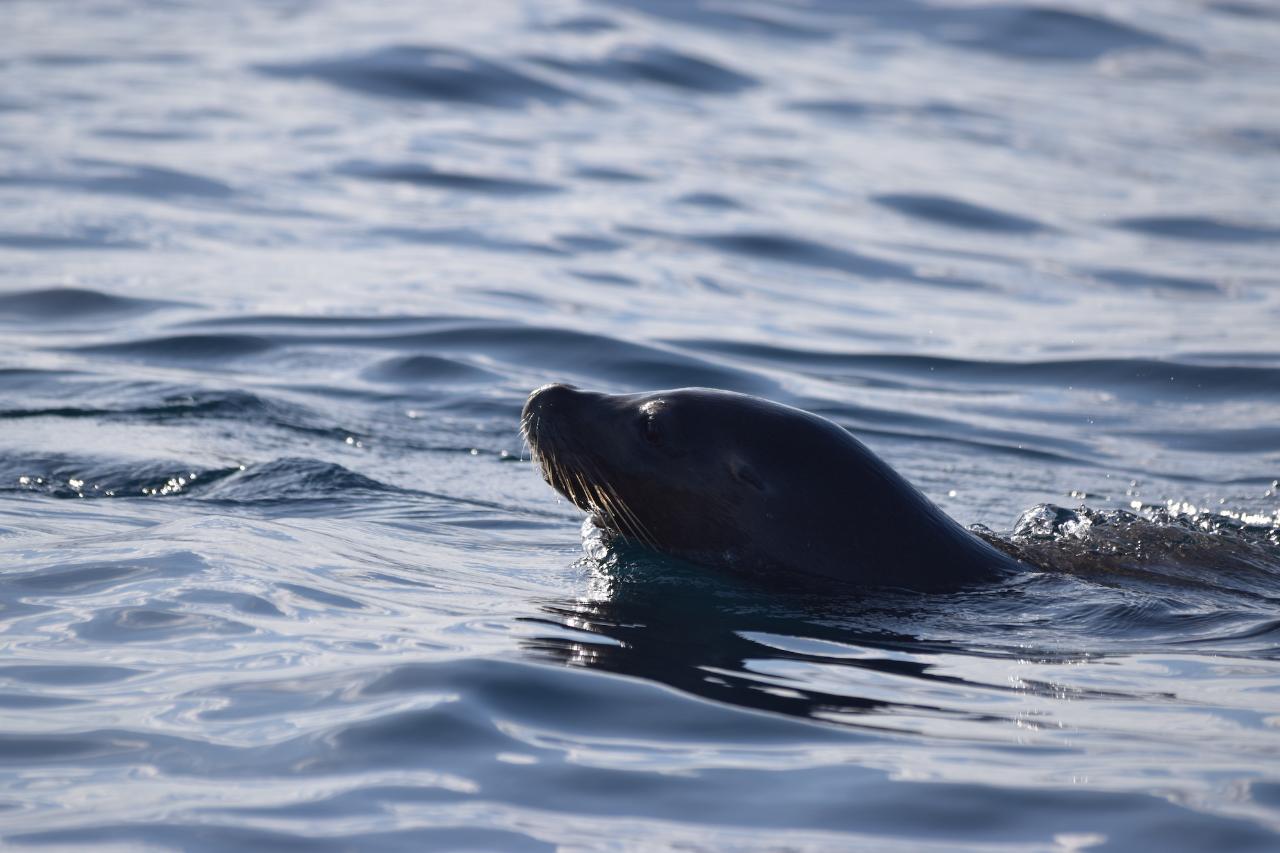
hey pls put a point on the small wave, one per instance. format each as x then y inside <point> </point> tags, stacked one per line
<point>959,214</point>
<point>1240,9</point>
<point>87,239</point>
<point>421,175</point>
<point>1011,30</point>
<point>448,727</point>
<point>731,18</point>
<point>1254,140</point>
<point>427,73</point>
<point>1029,32</point>
<point>428,369</point>
<point>609,174</point>
<point>65,674</point>
<point>320,596</point>
<point>655,64</point>
<point>712,201</point>
<point>1198,228</point>
<point>358,322</point>
<point>796,250</point>
<point>584,25</point>
<point>240,602</point>
<point>153,624</point>
<point>609,278</point>
<point>588,243</point>
<point>184,347</point>
<point>25,748</point>
<point>465,238</point>
<point>853,110</point>
<point>290,479</point>
<point>1154,281</point>
<point>127,179</point>
<point>77,478</point>
<point>1218,439</point>
<point>565,701</point>
<point>787,249</point>
<point>162,406</point>
<point>55,303</point>
<point>76,578</point>
<point>1151,377</point>
<point>82,59</point>
<point>32,380</point>
<point>236,835</point>
<point>783,248</point>
<point>564,353</point>
<point>145,134</point>
<point>279,480</point>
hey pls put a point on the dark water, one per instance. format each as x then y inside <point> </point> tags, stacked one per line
<point>275,278</point>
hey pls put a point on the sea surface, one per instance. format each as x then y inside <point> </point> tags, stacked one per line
<point>276,277</point>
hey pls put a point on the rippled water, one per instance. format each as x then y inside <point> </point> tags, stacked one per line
<point>275,278</point>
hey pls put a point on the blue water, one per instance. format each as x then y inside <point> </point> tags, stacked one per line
<point>276,277</point>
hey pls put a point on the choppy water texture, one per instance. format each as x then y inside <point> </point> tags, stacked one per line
<point>277,276</point>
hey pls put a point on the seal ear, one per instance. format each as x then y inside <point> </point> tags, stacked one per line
<point>744,473</point>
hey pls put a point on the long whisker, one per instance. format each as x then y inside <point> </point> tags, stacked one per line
<point>637,528</point>
<point>645,535</point>
<point>529,436</point>
<point>616,517</point>
<point>625,518</point>
<point>599,494</point>
<point>575,483</point>
<point>586,492</point>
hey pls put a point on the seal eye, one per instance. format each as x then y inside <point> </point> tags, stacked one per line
<point>650,428</point>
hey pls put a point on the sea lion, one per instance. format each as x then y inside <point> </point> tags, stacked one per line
<point>737,482</point>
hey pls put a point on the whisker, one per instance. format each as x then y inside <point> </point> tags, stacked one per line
<point>584,484</point>
<point>645,535</point>
<point>637,528</point>
<point>615,517</point>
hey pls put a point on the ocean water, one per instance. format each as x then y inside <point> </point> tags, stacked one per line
<point>276,278</point>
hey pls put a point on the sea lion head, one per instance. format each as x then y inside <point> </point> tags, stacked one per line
<point>701,474</point>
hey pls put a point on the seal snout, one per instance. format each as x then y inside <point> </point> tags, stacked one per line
<point>547,398</point>
<point>548,423</point>
<point>545,408</point>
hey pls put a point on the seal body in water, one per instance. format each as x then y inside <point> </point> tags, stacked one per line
<point>734,481</point>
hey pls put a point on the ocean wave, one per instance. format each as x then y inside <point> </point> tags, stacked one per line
<point>427,73</point>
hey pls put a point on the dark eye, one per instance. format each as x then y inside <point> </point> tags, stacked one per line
<point>650,428</point>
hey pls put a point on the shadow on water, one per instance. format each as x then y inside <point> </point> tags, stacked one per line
<point>722,638</point>
<point>675,624</point>
<point>1113,584</point>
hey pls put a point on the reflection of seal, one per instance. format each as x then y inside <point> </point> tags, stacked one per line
<point>733,481</point>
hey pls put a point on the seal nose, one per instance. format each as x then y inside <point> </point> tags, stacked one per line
<point>549,398</point>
